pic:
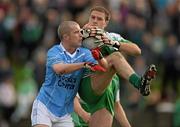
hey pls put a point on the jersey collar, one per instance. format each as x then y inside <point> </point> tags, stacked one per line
<point>69,54</point>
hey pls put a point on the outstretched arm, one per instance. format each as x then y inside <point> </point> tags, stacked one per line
<point>62,68</point>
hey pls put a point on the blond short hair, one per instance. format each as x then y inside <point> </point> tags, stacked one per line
<point>103,10</point>
<point>65,27</point>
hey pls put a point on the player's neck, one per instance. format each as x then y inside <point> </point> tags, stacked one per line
<point>69,48</point>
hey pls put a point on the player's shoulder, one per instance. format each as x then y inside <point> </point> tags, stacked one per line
<point>54,50</point>
<point>112,34</point>
<point>82,49</point>
<point>117,37</point>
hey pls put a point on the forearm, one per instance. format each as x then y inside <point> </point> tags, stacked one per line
<point>121,116</point>
<point>130,49</point>
<point>67,68</point>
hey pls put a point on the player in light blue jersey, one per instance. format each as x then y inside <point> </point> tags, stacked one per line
<point>64,69</point>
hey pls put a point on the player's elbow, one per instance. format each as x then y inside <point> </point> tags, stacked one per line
<point>136,50</point>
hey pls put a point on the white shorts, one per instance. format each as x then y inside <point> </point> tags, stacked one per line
<point>41,115</point>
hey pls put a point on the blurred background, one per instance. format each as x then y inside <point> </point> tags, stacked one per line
<point>28,28</point>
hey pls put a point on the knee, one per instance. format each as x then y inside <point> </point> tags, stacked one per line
<point>114,58</point>
<point>117,55</point>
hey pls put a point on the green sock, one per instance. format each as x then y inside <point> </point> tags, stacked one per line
<point>135,80</point>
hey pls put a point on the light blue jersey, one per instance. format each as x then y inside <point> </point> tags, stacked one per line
<point>58,91</point>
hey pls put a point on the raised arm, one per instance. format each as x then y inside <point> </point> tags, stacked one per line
<point>130,49</point>
<point>113,39</point>
<point>123,45</point>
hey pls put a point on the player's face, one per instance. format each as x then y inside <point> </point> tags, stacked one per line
<point>75,37</point>
<point>98,19</point>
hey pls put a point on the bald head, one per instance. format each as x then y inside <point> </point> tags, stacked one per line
<point>65,27</point>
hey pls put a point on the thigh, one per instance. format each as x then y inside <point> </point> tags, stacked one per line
<point>101,118</point>
<point>100,81</point>
<point>65,121</point>
<point>40,116</point>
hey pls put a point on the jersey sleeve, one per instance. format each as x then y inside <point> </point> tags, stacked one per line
<point>54,58</point>
<point>117,37</point>
<point>88,57</point>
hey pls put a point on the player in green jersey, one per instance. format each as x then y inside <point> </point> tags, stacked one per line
<point>94,89</point>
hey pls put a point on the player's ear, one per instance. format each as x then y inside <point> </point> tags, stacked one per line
<point>66,36</point>
<point>106,22</point>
